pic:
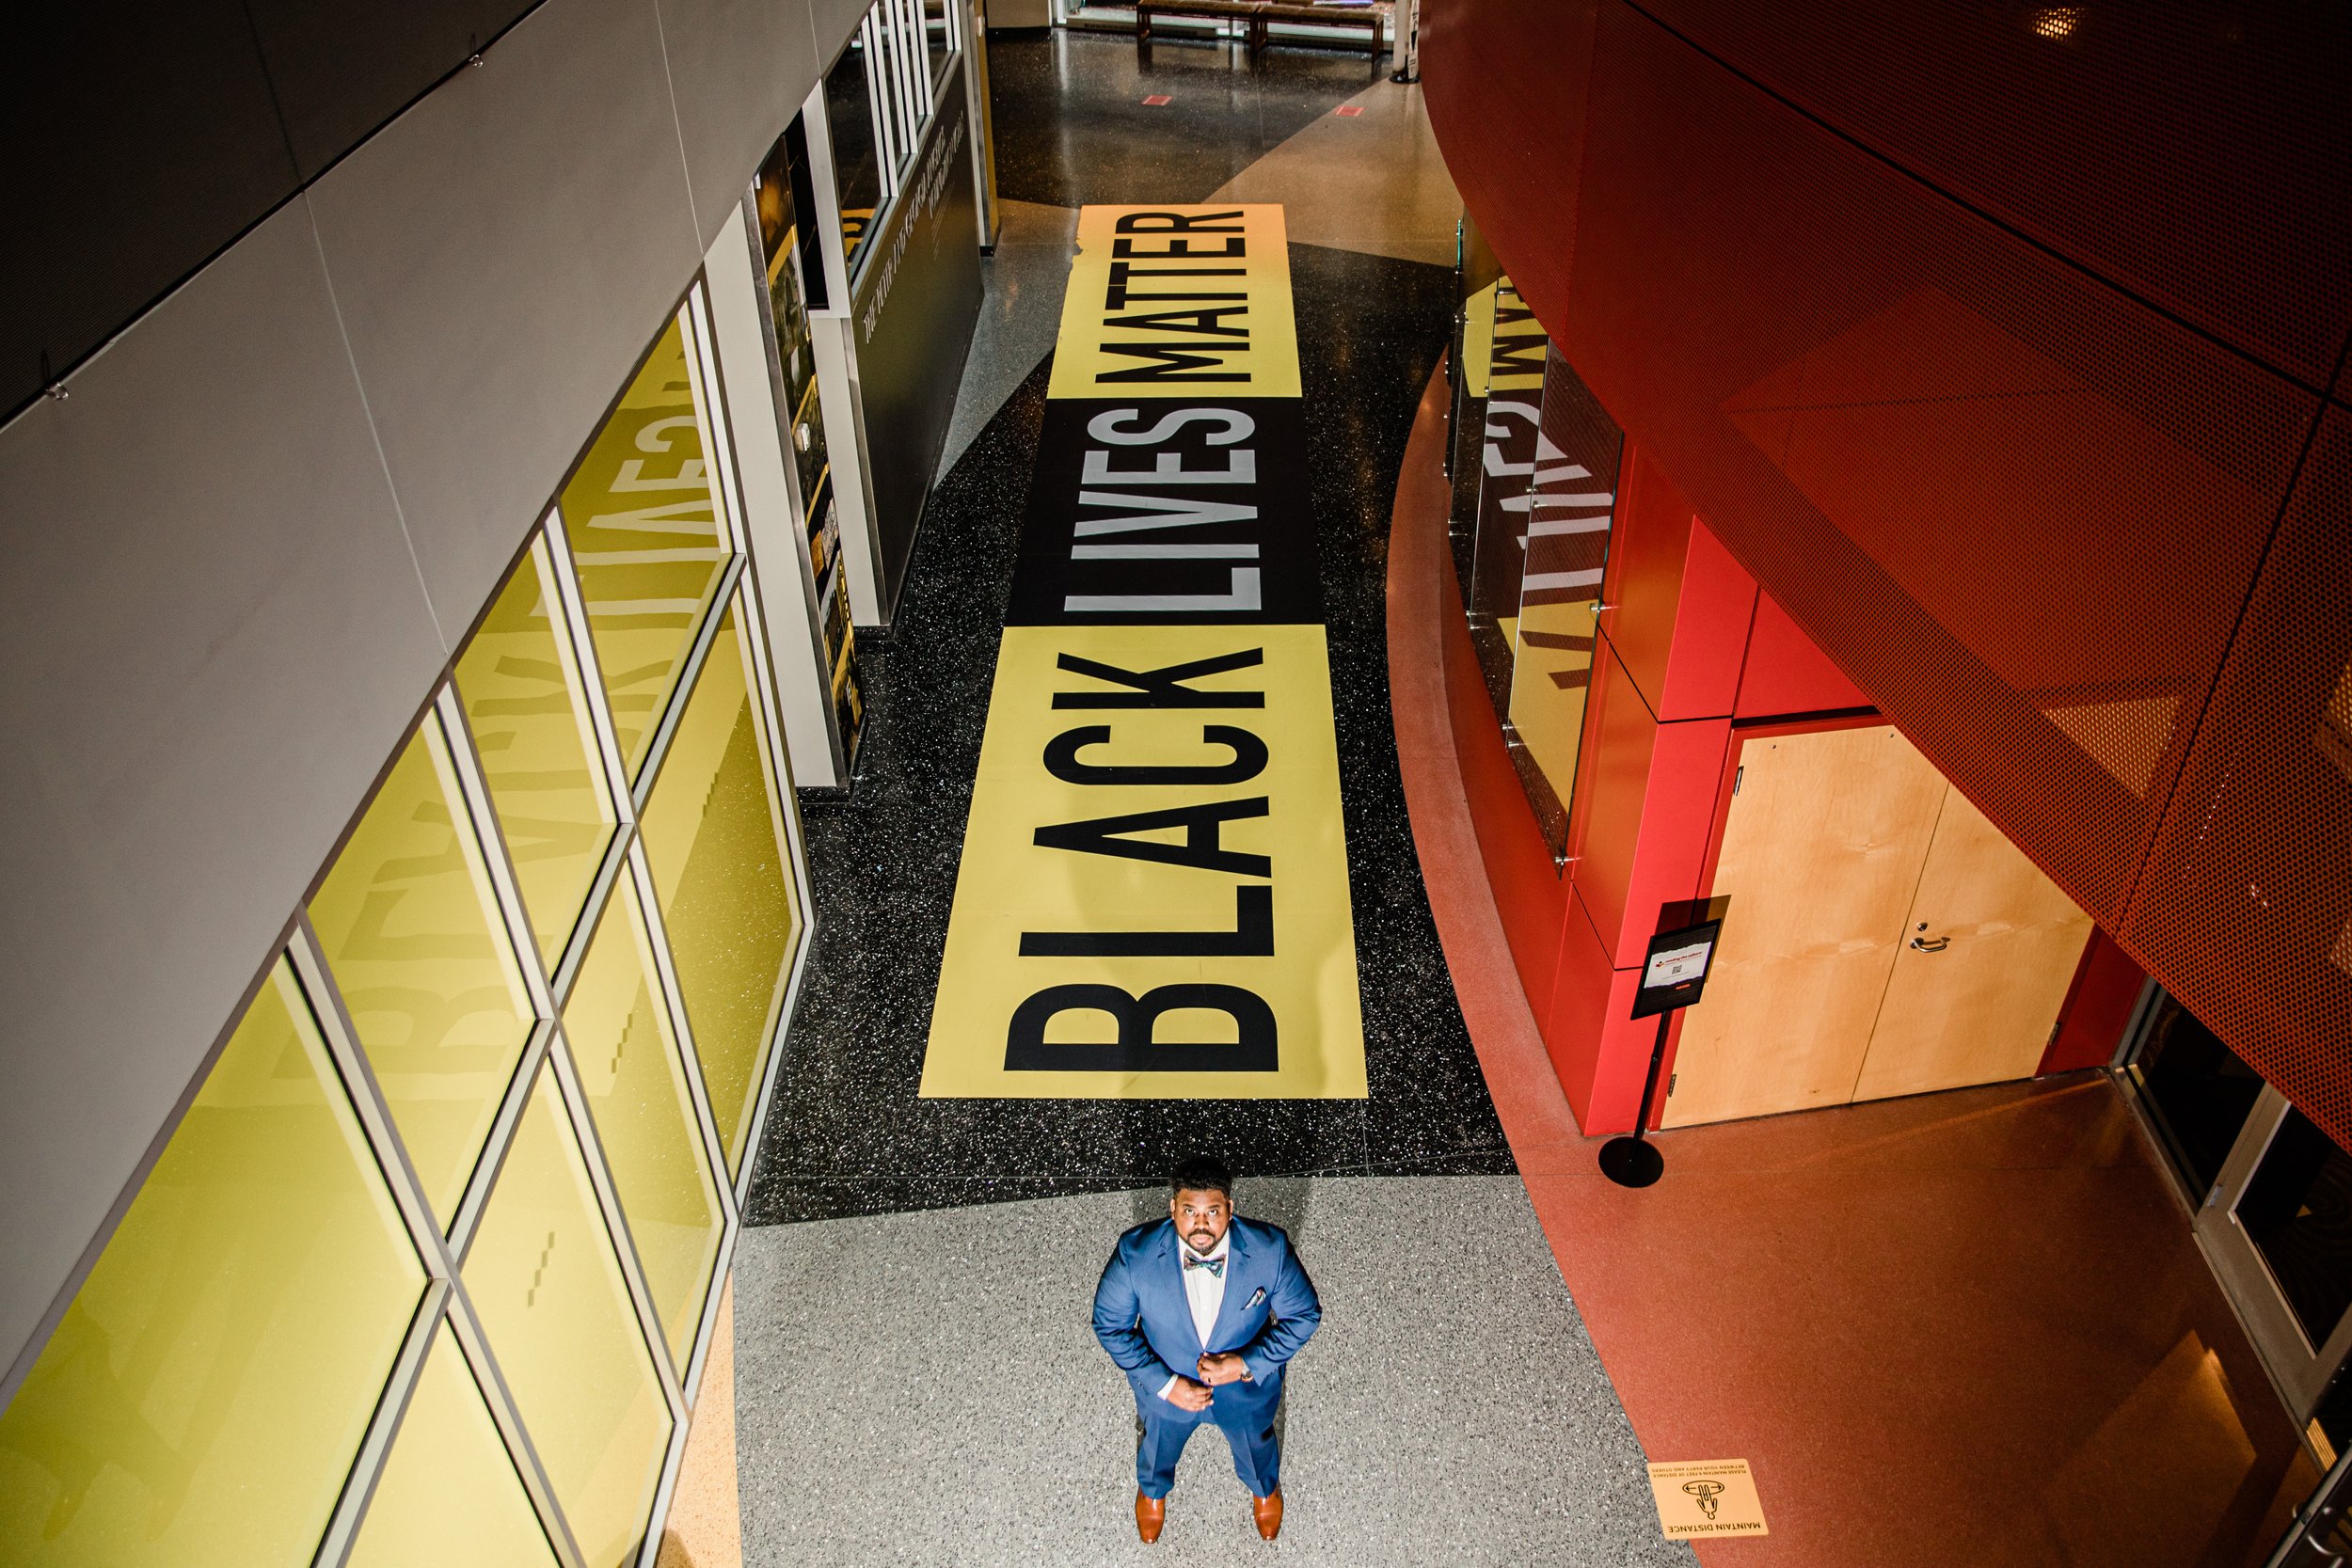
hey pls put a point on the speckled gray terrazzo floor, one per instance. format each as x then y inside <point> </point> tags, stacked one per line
<point>922,1388</point>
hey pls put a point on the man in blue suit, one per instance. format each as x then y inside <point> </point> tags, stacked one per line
<point>1202,1310</point>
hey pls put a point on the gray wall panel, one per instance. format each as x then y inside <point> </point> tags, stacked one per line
<point>139,137</point>
<point>502,253</point>
<point>835,21</point>
<point>211,635</point>
<point>340,68</point>
<point>740,69</point>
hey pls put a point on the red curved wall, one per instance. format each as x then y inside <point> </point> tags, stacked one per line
<point>2004,345</point>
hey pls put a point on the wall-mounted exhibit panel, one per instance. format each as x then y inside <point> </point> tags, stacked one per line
<point>912,315</point>
<point>890,139</point>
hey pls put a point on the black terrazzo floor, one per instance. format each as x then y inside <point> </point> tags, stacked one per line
<point>1071,125</point>
<point>848,1132</point>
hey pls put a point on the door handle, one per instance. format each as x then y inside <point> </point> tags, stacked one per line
<point>1930,944</point>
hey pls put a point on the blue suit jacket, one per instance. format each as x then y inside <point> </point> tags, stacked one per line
<point>1143,1319</point>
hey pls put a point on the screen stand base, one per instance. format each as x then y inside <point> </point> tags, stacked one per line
<point>1632,1161</point>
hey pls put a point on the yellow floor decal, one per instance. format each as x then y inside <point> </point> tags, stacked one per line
<point>1152,901</point>
<point>1166,301</point>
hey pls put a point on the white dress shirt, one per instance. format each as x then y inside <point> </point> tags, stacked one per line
<point>1204,1291</point>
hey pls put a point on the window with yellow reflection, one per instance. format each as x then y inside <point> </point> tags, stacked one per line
<point>714,839</point>
<point>545,1280</point>
<point>630,1069</point>
<point>201,1402</point>
<point>1551,644</point>
<point>448,1495</point>
<point>411,928</point>
<point>644,524</point>
<point>527,705</point>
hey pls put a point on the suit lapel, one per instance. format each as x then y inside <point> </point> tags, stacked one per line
<point>1236,1266</point>
<point>1172,1269</point>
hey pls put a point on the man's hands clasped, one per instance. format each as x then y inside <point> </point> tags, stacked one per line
<point>1218,1370</point>
<point>1188,1395</point>
<point>1215,1372</point>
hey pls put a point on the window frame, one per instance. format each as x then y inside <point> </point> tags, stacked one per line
<point>444,1301</point>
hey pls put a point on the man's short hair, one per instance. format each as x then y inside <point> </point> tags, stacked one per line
<point>1202,1173</point>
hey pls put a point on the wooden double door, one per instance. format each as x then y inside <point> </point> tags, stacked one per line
<point>1882,937</point>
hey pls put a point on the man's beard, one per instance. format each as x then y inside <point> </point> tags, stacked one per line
<point>1201,1240</point>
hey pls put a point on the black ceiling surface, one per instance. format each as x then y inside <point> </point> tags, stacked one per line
<point>144,137</point>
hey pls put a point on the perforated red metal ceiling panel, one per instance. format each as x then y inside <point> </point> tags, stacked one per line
<point>2245,908</point>
<point>2196,153</point>
<point>2018,508</point>
<point>1512,117</point>
<point>2018,485</point>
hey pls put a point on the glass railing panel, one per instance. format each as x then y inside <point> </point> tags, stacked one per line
<point>410,923</point>
<point>527,704</point>
<point>643,519</point>
<point>202,1401</point>
<point>547,1285</point>
<point>631,1070</point>
<point>715,841</point>
<point>448,1496</point>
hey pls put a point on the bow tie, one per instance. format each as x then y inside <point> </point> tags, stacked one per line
<point>1215,1265</point>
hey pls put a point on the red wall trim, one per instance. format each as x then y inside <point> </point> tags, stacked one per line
<point>1712,631</point>
<point>1786,670</point>
<point>2097,1008</point>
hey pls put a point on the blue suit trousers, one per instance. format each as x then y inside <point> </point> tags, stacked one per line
<point>1248,1426</point>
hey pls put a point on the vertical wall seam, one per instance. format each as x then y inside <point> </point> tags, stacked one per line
<point>678,132</point>
<point>366,411</point>
<point>302,183</point>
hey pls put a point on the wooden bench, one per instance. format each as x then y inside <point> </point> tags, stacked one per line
<point>1257,17</point>
<point>1218,11</point>
<point>1344,19</point>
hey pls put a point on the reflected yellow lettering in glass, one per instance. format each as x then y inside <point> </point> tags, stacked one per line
<point>544,1278</point>
<point>646,540</point>
<point>201,1401</point>
<point>714,839</point>
<point>411,928</point>
<point>1551,674</point>
<point>527,709</point>
<point>448,1496</point>
<point>634,1079</point>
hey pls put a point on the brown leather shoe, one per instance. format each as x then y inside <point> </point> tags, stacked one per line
<point>1151,1513</point>
<point>1268,1512</point>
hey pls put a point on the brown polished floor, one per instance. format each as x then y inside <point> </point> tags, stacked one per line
<point>1966,1329</point>
<point>1960,1328</point>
